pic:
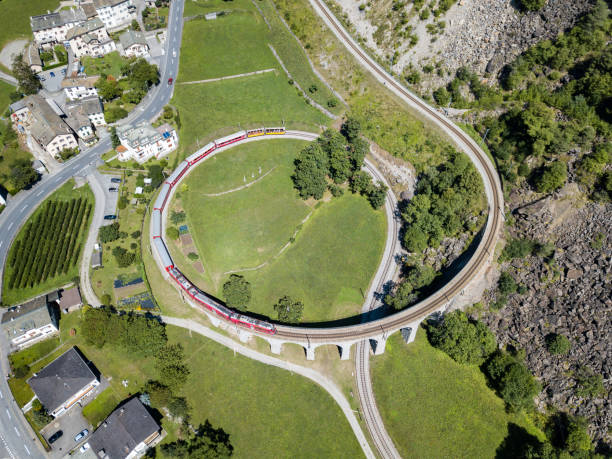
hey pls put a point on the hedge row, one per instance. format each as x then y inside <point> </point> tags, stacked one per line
<point>48,246</point>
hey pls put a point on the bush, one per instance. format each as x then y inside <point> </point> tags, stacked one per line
<point>109,233</point>
<point>172,233</point>
<point>106,299</point>
<point>21,371</point>
<point>237,292</point>
<point>506,284</point>
<point>464,340</point>
<point>123,257</point>
<point>588,383</point>
<point>517,248</point>
<point>531,5</point>
<point>557,344</point>
<point>192,256</point>
<point>552,177</point>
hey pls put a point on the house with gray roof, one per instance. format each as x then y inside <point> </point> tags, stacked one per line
<point>90,39</point>
<point>126,433</point>
<point>64,382</point>
<point>30,322</point>
<point>31,57</point>
<point>92,107</point>
<point>51,28</point>
<point>134,43</point>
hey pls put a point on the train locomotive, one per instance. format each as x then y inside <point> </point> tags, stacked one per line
<point>159,245</point>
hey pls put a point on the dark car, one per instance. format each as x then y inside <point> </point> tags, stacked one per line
<point>170,80</point>
<point>113,189</point>
<point>110,217</point>
<point>116,180</point>
<point>53,438</point>
<point>63,71</point>
<point>52,74</point>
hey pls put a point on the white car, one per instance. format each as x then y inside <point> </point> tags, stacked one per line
<point>174,53</point>
<point>84,448</point>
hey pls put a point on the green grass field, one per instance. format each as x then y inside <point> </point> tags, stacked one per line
<point>329,265</point>
<point>17,295</point>
<point>9,157</point>
<point>17,17</point>
<point>99,408</point>
<point>5,90</point>
<point>434,407</point>
<point>109,64</point>
<point>268,412</point>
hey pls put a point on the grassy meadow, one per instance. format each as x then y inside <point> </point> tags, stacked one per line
<point>16,14</point>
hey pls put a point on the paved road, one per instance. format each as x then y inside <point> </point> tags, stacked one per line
<point>313,375</point>
<point>16,437</point>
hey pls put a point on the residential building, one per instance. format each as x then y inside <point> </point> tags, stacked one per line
<point>79,122</point>
<point>30,322</point>
<point>64,382</point>
<point>51,28</point>
<point>90,39</point>
<point>32,57</point>
<point>134,43</point>
<point>126,433</point>
<point>89,9</point>
<point>92,107</point>
<point>142,142</point>
<point>115,13</point>
<point>19,111</point>
<point>80,87</point>
<point>70,299</point>
<point>46,126</point>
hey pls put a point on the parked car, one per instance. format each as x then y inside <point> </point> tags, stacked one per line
<point>53,438</point>
<point>170,80</point>
<point>116,180</point>
<point>52,74</point>
<point>84,448</point>
<point>82,434</point>
<point>110,217</point>
<point>41,78</point>
<point>174,53</point>
<point>113,189</point>
<point>63,71</point>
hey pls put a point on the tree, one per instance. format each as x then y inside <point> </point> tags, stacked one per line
<point>22,175</point>
<point>112,114</point>
<point>109,233</point>
<point>123,257</point>
<point>40,414</point>
<point>578,440</point>
<point>464,340</point>
<point>403,296</point>
<point>358,149</point>
<point>172,233</point>
<point>114,137</point>
<point>339,166</point>
<point>517,248</point>
<point>206,442</point>
<point>26,78</point>
<point>237,292</point>
<point>171,367</point>
<point>289,310</point>
<point>108,88</point>
<point>179,408</point>
<point>177,217</point>
<point>512,380</point>
<point>94,325</point>
<point>159,393</point>
<point>156,175</point>
<point>311,168</point>
<point>135,25</point>
<point>441,96</point>
<point>377,195</point>
<point>351,128</point>
<point>552,177</point>
<point>506,284</point>
<point>557,344</point>
<point>532,5</point>
<point>588,383</point>
<point>361,182</point>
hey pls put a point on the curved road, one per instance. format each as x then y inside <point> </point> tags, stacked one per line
<point>16,437</point>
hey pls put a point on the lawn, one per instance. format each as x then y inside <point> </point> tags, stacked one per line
<point>9,157</point>
<point>211,110</point>
<point>109,64</point>
<point>268,412</point>
<point>435,407</point>
<point>232,44</point>
<point>99,408</point>
<point>328,267</point>
<point>34,352</point>
<point>5,90</point>
<point>65,193</point>
<point>19,12</point>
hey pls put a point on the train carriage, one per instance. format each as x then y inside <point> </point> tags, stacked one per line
<point>228,140</point>
<point>275,131</point>
<point>256,132</point>
<point>156,224</point>
<point>178,173</point>
<point>201,153</point>
<point>162,197</point>
<point>162,251</point>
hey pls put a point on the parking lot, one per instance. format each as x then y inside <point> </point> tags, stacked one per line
<point>110,197</point>
<point>52,83</point>
<point>70,423</point>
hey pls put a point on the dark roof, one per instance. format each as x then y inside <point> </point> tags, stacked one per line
<point>71,297</point>
<point>123,430</point>
<point>25,317</point>
<point>61,379</point>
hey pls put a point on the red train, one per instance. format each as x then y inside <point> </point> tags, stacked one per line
<point>159,245</point>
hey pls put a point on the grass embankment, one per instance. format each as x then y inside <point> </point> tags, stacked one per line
<point>264,409</point>
<point>65,193</point>
<point>16,14</point>
<point>331,261</point>
<point>435,407</point>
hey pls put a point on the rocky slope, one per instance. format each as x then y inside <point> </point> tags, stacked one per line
<point>570,294</point>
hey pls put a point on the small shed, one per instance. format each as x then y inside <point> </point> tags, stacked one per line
<point>70,300</point>
<point>138,190</point>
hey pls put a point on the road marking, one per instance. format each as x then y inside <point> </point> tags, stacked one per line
<point>6,446</point>
<point>24,208</point>
<point>1,242</point>
<point>26,448</point>
<point>8,414</point>
<point>1,396</point>
<point>39,193</point>
<point>17,432</point>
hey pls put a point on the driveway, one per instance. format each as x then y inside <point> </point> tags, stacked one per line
<point>110,197</point>
<point>71,424</point>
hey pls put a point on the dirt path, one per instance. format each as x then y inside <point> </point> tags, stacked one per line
<point>229,77</point>
<point>211,195</point>
<point>10,50</point>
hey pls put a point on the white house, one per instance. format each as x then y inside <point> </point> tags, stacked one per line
<point>115,13</point>
<point>90,39</point>
<point>134,43</point>
<point>90,106</point>
<point>46,126</point>
<point>142,142</point>
<point>64,382</point>
<point>30,322</point>
<point>80,87</point>
<point>51,28</point>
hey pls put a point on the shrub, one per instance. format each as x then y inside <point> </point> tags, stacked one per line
<point>192,256</point>
<point>109,233</point>
<point>531,5</point>
<point>589,384</point>
<point>506,284</point>
<point>106,299</point>
<point>552,177</point>
<point>557,344</point>
<point>172,233</point>
<point>517,248</point>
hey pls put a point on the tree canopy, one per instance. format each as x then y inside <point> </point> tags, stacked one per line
<point>237,292</point>
<point>26,78</point>
<point>289,310</point>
